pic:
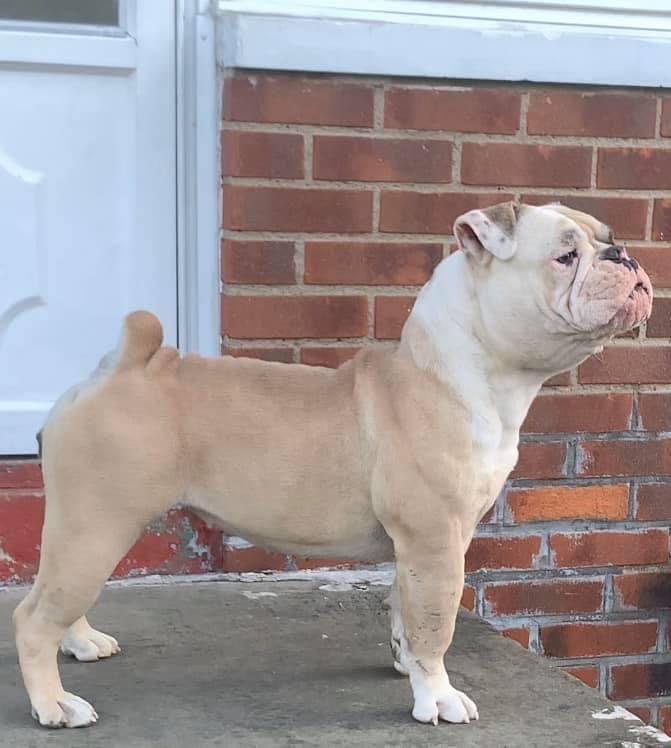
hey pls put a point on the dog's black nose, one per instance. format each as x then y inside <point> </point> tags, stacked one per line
<point>617,254</point>
<point>614,253</point>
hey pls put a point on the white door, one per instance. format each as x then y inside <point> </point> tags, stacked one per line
<point>87,191</point>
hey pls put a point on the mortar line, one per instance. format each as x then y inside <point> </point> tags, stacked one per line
<point>649,216</point>
<point>378,108</point>
<point>658,118</point>
<point>308,148</point>
<point>524,113</point>
<point>593,171</point>
<point>377,199</point>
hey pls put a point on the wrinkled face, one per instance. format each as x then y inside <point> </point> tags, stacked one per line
<point>552,284</point>
<point>594,286</point>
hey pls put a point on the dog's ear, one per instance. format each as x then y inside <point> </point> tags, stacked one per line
<point>491,230</point>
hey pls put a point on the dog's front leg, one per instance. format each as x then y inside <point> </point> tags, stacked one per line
<point>430,578</point>
<point>397,634</point>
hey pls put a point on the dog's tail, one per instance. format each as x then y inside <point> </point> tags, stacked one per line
<point>142,336</point>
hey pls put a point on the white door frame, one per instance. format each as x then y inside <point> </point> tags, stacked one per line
<point>198,274</point>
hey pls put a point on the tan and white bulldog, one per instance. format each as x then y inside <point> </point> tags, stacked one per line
<point>396,454</point>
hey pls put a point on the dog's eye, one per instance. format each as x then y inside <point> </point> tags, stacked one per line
<point>568,258</point>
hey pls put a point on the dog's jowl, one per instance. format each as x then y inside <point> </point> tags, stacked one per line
<point>395,455</point>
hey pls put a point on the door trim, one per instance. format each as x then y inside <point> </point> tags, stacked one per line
<point>198,274</point>
<point>592,42</point>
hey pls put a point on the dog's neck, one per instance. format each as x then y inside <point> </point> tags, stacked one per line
<point>442,336</point>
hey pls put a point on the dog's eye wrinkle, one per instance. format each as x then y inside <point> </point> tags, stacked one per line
<point>568,258</point>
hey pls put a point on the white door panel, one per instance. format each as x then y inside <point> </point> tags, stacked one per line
<point>87,203</point>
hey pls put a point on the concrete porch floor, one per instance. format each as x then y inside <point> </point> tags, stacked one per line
<point>285,663</point>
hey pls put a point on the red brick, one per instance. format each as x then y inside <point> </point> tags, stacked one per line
<point>468,598</point>
<point>524,165</point>
<point>430,213</point>
<point>657,263</point>
<point>295,316</point>
<point>558,380</point>
<point>320,563</point>
<point>371,263</point>
<point>381,159</point>
<point>331,357</point>
<point>23,474</point>
<point>519,634</point>
<point>295,209</point>
<point>598,639</point>
<point>597,548</point>
<point>495,552</point>
<point>627,457</point>
<point>666,118</point>
<point>298,100</point>
<point>653,502</point>
<point>281,355</point>
<point>642,591</point>
<point>538,460</point>
<point>262,154</point>
<point>21,519</point>
<point>634,168</point>
<point>627,365</point>
<point>476,110</point>
<point>659,324</point>
<point>579,413</point>
<point>642,712</point>
<point>661,220</point>
<point>252,559</point>
<point>161,549</point>
<point>546,503</point>
<point>592,115</point>
<point>391,313</point>
<point>488,516</point>
<point>589,674</point>
<point>544,597</point>
<point>262,262</point>
<point>178,543</point>
<point>627,216</point>
<point>640,681</point>
<point>664,719</point>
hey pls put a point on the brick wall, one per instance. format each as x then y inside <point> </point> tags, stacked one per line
<point>339,196</point>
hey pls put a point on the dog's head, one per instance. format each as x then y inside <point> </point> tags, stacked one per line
<point>551,283</point>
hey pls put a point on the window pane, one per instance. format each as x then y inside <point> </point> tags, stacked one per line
<point>98,12</point>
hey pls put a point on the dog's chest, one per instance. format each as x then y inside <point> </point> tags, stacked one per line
<point>495,452</point>
<point>495,446</point>
<point>493,468</point>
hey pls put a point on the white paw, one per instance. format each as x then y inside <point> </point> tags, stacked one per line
<point>451,706</point>
<point>88,645</point>
<point>69,711</point>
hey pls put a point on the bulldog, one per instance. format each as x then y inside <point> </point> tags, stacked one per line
<point>395,455</point>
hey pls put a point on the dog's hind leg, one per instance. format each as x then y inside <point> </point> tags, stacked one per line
<point>78,555</point>
<point>86,644</point>
<point>111,465</point>
<point>94,513</point>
